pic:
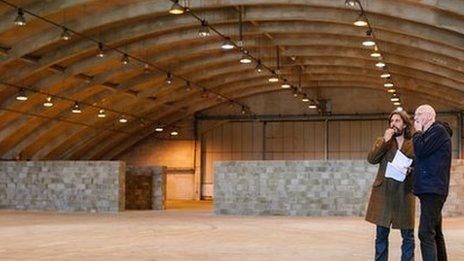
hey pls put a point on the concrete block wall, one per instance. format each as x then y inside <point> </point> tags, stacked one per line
<point>64,186</point>
<point>146,187</point>
<point>307,188</point>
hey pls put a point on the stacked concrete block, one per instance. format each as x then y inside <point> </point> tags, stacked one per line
<point>306,188</point>
<point>64,186</point>
<point>143,178</point>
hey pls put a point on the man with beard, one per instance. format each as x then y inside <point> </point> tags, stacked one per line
<point>392,203</point>
<point>432,144</point>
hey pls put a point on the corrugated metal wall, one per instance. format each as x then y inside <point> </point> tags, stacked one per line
<point>292,140</point>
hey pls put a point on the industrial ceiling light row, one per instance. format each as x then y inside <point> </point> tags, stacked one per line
<point>246,58</point>
<point>77,109</point>
<point>66,35</point>
<point>369,41</point>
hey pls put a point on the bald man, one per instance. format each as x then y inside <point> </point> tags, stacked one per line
<point>432,148</point>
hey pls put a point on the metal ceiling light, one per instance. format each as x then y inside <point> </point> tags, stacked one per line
<point>20,20</point>
<point>65,35</point>
<point>388,85</point>
<point>285,85</point>
<point>380,64</point>
<point>376,53</point>
<point>245,59</point>
<point>174,133</point>
<point>48,102</point>
<point>125,59</point>
<point>159,129</point>
<point>204,29</point>
<point>146,68</point>
<point>176,8</point>
<point>312,106</point>
<point>259,67</point>
<point>360,21</point>
<point>76,108</point>
<point>395,98</point>
<point>21,95</point>
<point>385,76</point>
<point>101,53</point>
<point>399,108</point>
<point>305,99</point>
<point>123,119</point>
<point>397,103</point>
<point>227,44</point>
<point>391,90</point>
<point>369,42</point>
<point>273,78</point>
<point>168,78</point>
<point>101,113</point>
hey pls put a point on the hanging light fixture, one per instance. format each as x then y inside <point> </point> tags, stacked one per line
<point>273,78</point>
<point>245,59</point>
<point>285,85</point>
<point>360,21</point>
<point>368,42</point>
<point>243,110</point>
<point>101,52</point>
<point>176,8</point>
<point>21,95</point>
<point>20,20</point>
<point>385,76</point>
<point>312,106</point>
<point>227,44</point>
<point>204,29</point>
<point>146,68</point>
<point>76,108</point>
<point>174,133</point>
<point>123,119</point>
<point>380,64</point>
<point>388,85</point>
<point>259,67</point>
<point>295,94</point>
<point>397,103</point>
<point>399,108</point>
<point>48,102</point>
<point>376,53</point>
<point>159,129</point>
<point>187,86</point>
<point>168,78</point>
<point>395,98</point>
<point>391,90</point>
<point>305,99</point>
<point>125,59</point>
<point>65,35</point>
<point>101,113</point>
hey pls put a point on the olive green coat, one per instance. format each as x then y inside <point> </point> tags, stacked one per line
<point>391,202</point>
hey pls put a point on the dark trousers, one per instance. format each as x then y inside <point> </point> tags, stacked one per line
<point>381,244</point>
<point>432,242</point>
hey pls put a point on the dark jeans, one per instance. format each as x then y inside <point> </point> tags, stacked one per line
<point>432,242</point>
<point>381,244</point>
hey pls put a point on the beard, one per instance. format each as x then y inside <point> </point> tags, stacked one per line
<point>398,132</point>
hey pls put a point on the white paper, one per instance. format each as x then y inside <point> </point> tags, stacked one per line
<point>394,173</point>
<point>398,168</point>
<point>401,161</point>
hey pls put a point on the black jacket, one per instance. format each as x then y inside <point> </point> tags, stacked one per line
<point>432,165</point>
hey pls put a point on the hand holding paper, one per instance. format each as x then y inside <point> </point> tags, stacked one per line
<point>398,168</point>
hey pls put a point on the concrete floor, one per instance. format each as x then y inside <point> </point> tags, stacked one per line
<point>191,232</point>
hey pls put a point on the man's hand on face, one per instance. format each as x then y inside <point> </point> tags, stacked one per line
<point>418,126</point>
<point>388,134</point>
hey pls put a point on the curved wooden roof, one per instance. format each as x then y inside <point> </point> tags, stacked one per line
<point>422,42</point>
